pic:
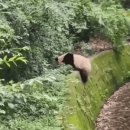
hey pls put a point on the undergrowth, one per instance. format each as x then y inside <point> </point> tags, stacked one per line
<point>33,104</point>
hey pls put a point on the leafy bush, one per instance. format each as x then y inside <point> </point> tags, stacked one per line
<point>11,55</point>
<point>50,27</point>
<point>39,100</point>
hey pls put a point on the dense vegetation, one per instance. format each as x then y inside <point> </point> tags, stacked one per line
<point>32,33</point>
<point>38,30</point>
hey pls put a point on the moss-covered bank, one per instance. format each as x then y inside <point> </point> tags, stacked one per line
<point>110,70</point>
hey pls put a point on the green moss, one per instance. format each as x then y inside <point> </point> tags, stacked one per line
<point>110,70</point>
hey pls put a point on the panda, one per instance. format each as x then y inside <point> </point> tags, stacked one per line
<point>78,62</point>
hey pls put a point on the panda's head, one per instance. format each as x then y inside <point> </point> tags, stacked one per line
<point>66,58</point>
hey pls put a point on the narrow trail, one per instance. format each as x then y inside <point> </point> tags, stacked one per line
<point>115,114</point>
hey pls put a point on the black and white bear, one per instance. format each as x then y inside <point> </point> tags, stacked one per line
<point>78,62</point>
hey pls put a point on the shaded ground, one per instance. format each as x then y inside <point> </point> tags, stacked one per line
<point>115,114</point>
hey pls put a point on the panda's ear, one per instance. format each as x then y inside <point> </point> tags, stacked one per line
<point>69,53</point>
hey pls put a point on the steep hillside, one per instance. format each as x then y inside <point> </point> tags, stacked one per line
<point>110,70</point>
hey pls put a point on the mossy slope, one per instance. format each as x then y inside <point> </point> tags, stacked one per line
<point>110,70</point>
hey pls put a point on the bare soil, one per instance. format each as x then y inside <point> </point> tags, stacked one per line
<point>99,44</point>
<point>115,114</point>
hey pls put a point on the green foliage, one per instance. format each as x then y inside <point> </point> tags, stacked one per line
<point>33,104</point>
<point>13,59</point>
<point>127,14</point>
<point>103,18</point>
<point>11,53</point>
<point>53,26</point>
<point>32,32</point>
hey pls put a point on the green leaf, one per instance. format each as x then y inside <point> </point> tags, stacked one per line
<point>1,61</point>
<point>8,64</point>
<point>5,58</point>
<point>19,58</point>
<point>2,41</point>
<point>15,63</point>
<point>33,108</point>
<point>12,106</point>
<point>13,58</point>
<point>26,48</point>
<point>2,111</point>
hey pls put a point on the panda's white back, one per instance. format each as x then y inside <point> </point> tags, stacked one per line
<point>82,62</point>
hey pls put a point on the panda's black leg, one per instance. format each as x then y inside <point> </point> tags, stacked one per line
<point>84,76</point>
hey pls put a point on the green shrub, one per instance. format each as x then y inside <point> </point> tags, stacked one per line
<point>33,104</point>
<point>50,27</point>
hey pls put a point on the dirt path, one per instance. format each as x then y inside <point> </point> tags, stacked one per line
<point>115,114</point>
